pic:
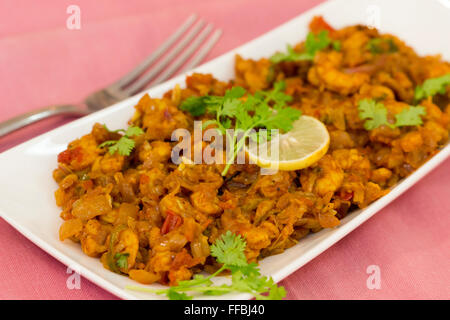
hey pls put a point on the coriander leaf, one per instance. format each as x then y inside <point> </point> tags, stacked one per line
<point>244,120</point>
<point>336,45</point>
<point>317,42</point>
<point>257,284</point>
<point>278,57</point>
<point>374,45</point>
<point>275,96</point>
<point>283,119</point>
<point>214,103</point>
<point>133,131</point>
<point>313,44</point>
<point>229,250</point>
<point>124,145</point>
<point>234,93</point>
<point>250,283</point>
<point>196,106</point>
<point>239,282</point>
<point>392,46</point>
<point>410,116</point>
<point>381,45</point>
<point>174,295</point>
<point>279,86</point>
<point>432,86</point>
<point>250,269</point>
<point>107,143</point>
<point>276,292</point>
<point>290,55</point>
<point>253,100</point>
<point>230,107</point>
<point>374,113</point>
<point>122,260</point>
<point>261,284</point>
<point>263,113</point>
<point>226,124</point>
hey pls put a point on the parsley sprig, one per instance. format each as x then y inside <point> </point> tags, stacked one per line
<point>264,109</point>
<point>125,144</point>
<point>245,277</point>
<point>313,44</point>
<point>432,86</point>
<point>375,115</point>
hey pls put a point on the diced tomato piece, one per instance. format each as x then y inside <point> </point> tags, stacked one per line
<point>88,184</point>
<point>318,23</point>
<point>172,222</point>
<point>70,154</point>
<point>64,156</point>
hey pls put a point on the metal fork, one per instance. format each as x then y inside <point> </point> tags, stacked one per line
<point>136,80</point>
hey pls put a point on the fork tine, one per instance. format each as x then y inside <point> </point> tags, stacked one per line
<point>184,56</point>
<point>203,51</point>
<point>133,74</point>
<point>140,83</point>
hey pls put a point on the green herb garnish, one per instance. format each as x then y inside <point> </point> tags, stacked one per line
<point>336,45</point>
<point>245,277</point>
<point>313,44</point>
<point>110,257</point>
<point>195,105</point>
<point>379,45</point>
<point>410,116</point>
<point>264,109</point>
<point>375,114</point>
<point>125,144</point>
<point>122,260</point>
<point>432,86</point>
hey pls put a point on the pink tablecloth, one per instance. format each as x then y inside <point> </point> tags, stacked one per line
<point>42,62</point>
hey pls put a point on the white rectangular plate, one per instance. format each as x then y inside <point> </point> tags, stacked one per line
<point>27,187</point>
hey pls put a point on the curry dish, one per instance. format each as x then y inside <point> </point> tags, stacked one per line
<point>163,217</point>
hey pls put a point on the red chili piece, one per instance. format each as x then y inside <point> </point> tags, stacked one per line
<point>172,221</point>
<point>318,23</point>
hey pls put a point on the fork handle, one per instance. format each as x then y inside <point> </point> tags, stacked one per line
<point>25,119</point>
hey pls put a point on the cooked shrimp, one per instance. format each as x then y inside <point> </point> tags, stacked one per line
<point>326,73</point>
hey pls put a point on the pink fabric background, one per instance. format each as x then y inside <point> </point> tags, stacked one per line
<point>44,63</point>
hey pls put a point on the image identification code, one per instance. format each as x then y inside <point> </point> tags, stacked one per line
<point>232,309</point>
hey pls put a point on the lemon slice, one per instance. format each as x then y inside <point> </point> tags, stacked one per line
<point>305,144</point>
